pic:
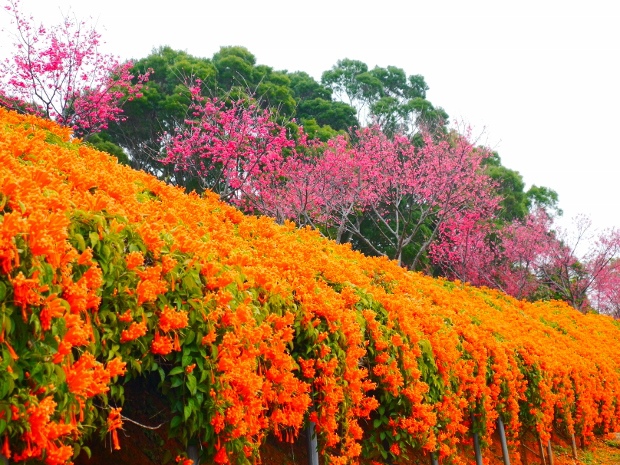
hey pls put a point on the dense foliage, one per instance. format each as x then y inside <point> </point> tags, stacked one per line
<point>253,328</point>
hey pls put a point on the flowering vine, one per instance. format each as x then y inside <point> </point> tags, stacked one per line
<point>255,328</point>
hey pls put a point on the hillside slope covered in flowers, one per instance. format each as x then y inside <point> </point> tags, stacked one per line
<point>252,328</point>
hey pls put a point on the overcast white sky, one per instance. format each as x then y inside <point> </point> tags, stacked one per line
<point>540,78</point>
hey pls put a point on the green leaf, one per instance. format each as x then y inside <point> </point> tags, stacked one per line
<point>136,365</point>
<point>208,434</point>
<point>176,421</point>
<point>106,251</point>
<point>191,384</point>
<point>2,290</point>
<point>175,371</point>
<point>94,238</point>
<point>187,411</point>
<point>4,389</point>
<point>11,384</point>
<point>7,325</point>
<point>81,244</point>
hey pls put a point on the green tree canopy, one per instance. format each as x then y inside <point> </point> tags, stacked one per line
<point>384,96</point>
<point>235,66</point>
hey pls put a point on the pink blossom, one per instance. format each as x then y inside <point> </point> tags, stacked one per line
<point>59,72</point>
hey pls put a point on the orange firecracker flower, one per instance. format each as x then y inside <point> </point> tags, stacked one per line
<point>209,338</point>
<point>115,422</point>
<point>161,345</point>
<point>169,319</point>
<point>6,449</point>
<point>52,308</point>
<point>134,259</point>
<point>116,367</point>
<point>126,317</point>
<point>135,331</point>
<point>370,327</point>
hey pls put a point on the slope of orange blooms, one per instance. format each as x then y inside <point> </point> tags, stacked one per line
<point>255,328</point>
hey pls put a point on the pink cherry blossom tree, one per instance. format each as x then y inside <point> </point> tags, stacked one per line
<point>309,185</point>
<point>532,259</point>
<point>418,189</point>
<point>400,194</point>
<point>605,293</point>
<point>490,253</point>
<point>225,145</point>
<point>582,268</point>
<point>321,186</point>
<point>384,194</point>
<point>59,72</point>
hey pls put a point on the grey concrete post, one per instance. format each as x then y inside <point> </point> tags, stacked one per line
<point>502,438</point>
<point>192,454</point>
<point>476,443</point>
<point>542,451</point>
<point>313,449</point>
<point>550,452</point>
<point>573,445</point>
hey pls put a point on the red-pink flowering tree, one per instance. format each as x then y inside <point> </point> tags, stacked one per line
<point>605,293</point>
<point>321,186</point>
<point>402,194</point>
<point>385,195</point>
<point>60,72</point>
<point>226,145</point>
<point>582,268</point>
<point>490,253</point>
<point>418,189</point>
<point>531,259</point>
<point>298,189</point>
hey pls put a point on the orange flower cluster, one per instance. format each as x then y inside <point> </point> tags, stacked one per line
<point>151,284</point>
<point>257,328</point>
<point>134,331</point>
<point>44,435</point>
<point>88,378</point>
<point>163,345</point>
<point>169,319</point>
<point>183,461</point>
